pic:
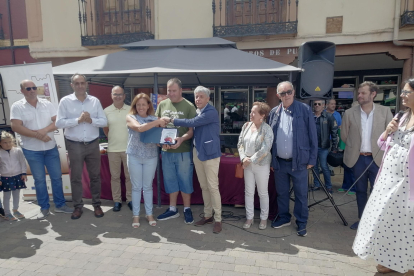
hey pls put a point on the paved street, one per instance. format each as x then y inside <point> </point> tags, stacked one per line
<point>110,246</point>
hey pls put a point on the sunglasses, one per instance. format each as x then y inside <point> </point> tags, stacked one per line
<point>30,88</point>
<point>406,92</point>
<point>315,104</point>
<point>289,92</point>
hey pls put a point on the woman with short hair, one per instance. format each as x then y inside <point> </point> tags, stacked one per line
<point>255,143</point>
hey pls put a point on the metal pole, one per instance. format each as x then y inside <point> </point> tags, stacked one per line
<point>11,33</point>
<point>158,162</point>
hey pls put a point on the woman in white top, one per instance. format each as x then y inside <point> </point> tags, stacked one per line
<point>255,143</point>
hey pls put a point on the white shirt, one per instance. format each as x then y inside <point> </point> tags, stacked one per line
<point>70,109</point>
<point>250,143</point>
<point>34,118</point>
<point>234,109</point>
<point>366,127</point>
<point>12,162</point>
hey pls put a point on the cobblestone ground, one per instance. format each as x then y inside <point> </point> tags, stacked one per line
<point>110,246</point>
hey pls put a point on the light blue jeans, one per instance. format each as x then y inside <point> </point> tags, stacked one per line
<point>141,172</point>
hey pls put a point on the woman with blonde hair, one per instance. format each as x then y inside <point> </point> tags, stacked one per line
<point>255,143</point>
<point>141,157</point>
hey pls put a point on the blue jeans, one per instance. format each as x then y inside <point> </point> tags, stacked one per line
<point>37,161</point>
<point>362,183</point>
<point>300,187</point>
<point>349,178</point>
<point>322,155</point>
<point>177,169</point>
<point>141,172</point>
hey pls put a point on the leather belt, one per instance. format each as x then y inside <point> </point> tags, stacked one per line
<point>85,143</point>
<point>285,159</point>
<point>365,153</point>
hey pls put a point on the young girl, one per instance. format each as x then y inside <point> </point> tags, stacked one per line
<point>13,174</point>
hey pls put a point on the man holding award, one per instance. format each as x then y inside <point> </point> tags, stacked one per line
<point>177,162</point>
<point>206,154</point>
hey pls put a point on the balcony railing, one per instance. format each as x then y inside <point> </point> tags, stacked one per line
<point>111,22</point>
<point>1,27</point>
<point>407,13</point>
<point>233,18</point>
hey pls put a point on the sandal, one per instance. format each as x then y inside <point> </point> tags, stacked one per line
<point>18,215</point>
<point>263,224</point>
<point>135,224</point>
<point>247,225</point>
<point>151,222</point>
<point>383,269</point>
<point>10,217</point>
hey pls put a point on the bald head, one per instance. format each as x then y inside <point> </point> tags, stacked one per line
<point>26,83</point>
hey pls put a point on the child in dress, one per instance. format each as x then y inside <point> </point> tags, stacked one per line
<point>13,174</point>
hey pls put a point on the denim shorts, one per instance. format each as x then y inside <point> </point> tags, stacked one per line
<point>177,168</point>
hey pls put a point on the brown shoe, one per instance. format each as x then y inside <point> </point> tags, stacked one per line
<point>409,273</point>
<point>77,213</point>
<point>217,227</point>
<point>98,211</point>
<point>383,269</point>
<point>203,221</point>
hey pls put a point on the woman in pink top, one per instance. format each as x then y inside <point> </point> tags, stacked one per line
<point>386,230</point>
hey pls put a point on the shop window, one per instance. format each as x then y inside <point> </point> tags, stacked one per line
<point>260,94</point>
<point>234,110</point>
<point>389,93</point>
<point>344,92</point>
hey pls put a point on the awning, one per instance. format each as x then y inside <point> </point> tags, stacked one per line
<point>205,61</point>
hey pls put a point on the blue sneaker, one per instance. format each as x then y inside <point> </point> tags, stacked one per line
<point>302,230</point>
<point>355,225</point>
<point>188,216</point>
<point>168,215</point>
<point>279,223</point>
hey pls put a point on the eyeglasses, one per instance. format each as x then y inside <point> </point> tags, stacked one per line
<point>315,104</point>
<point>30,88</point>
<point>406,92</point>
<point>289,92</point>
<point>118,95</point>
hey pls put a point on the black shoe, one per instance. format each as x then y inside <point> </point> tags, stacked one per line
<point>330,191</point>
<point>130,205</point>
<point>332,173</point>
<point>117,207</point>
<point>355,226</point>
<point>2,213</point>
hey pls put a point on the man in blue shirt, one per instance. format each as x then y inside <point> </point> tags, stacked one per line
<point>294,151</point>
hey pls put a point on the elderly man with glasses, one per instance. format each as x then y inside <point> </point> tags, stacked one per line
<point>326,128</point>
<point>117,133</point>
<point>34,119</point>
<point>294,151</point>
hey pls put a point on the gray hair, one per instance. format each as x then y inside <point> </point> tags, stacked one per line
<point>75,75</point>
<point>116,87</point>
<point>284,82</point>
<point>202,89</point>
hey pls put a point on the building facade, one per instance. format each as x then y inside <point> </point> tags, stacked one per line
<point>374,38</point>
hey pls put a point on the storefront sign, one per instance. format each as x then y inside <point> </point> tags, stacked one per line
<point>274,52</point>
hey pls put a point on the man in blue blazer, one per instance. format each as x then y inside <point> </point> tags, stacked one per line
<point>206,155</point>
<point>294,151</point>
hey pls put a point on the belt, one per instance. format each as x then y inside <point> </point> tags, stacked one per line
<point>85,143</point>
<point>365,153</point>
<point>285,159</point>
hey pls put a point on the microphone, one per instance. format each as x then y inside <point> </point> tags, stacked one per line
<point>399,115</point>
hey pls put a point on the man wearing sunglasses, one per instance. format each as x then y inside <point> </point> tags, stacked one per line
<point>326,128</point>
<point>34,119</point>
<point>294,151</point>
<point>362,125</point>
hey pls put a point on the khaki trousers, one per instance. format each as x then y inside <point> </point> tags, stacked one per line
<point>207,173</point>
<point>115,161</point>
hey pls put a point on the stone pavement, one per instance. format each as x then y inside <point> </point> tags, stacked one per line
<point>110,246</point>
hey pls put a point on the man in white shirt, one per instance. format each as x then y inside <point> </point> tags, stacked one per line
<point>361,127</point>
<point>81,115</point>
<point>34,119</point>
<point>117,133</point>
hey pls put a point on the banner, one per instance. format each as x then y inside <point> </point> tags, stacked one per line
<point>42,76</point>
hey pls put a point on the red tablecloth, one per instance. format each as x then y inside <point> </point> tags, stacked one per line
<point>231,188</point>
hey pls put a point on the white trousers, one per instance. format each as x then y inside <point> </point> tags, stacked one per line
<point>256,175</point>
